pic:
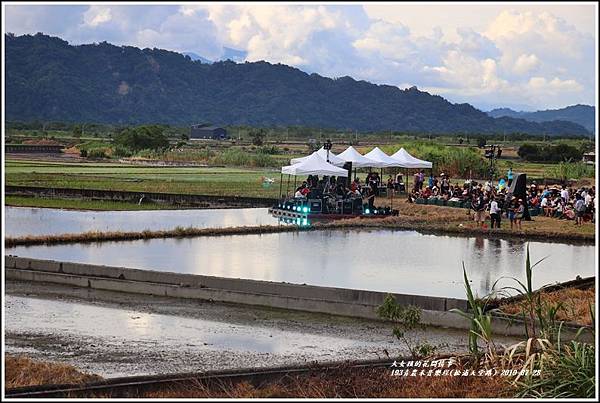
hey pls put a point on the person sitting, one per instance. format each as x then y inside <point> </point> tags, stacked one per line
<point>569,212</point>
<point>545,206</point>
<point>412,196</point>
<point>426,193</point>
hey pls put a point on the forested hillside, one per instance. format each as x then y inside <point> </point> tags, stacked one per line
<point>48,79</point>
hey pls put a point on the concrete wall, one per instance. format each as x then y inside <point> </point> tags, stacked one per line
<point>329,300</point>
<point>344,295</point>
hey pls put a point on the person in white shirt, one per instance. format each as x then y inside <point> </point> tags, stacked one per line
<point>494,213</point>
<point>588,199</point>
<point>564,193</point>
<point>544,206</point>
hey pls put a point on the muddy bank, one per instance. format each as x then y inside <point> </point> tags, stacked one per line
<point>152,335</point>
<point>390,223</point>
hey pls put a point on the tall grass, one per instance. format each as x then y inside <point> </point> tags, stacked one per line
<point>548,367</point>
<point>570,170</point>
<point>455,161</point>
<point>235,157</point>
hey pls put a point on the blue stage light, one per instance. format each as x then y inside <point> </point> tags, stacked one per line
<point>367,211</point>
<point>305,209</point>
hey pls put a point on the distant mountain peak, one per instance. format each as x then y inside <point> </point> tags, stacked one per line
<point>228,54</point>
<point>584,115</point>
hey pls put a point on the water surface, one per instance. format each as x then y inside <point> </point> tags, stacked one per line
<point>379,260</point>
<point>23,221</point>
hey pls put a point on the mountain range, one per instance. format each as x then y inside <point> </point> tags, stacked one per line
<point>584,115</point>
<point>228,54</point>
<point>46,78</point>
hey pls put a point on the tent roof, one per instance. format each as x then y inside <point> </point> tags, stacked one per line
<point>383,160</point>
<point>408,161</point>
<point>314,165</point>
<point>333,159</point>
<point>357,159</point>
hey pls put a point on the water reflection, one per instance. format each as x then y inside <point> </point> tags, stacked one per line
<point>22,221</point>
<point>381,260</point>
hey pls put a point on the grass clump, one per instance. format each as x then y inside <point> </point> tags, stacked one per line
<point>23,371</point>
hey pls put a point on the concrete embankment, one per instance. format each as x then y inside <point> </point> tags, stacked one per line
<point>192,200</point>
<point>328,300</point>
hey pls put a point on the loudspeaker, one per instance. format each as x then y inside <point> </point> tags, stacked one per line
<point>315,205</point>
<point>518,189</point>
<point>348,167</point>
<point>347,207</point>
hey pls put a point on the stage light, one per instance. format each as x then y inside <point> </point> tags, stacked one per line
<point>305,209</point>
<point>374,211</point>
<point>305,222</point>
<point>367,211</point>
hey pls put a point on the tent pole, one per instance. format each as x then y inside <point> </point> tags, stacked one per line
<point>294,183</point>
<point>280,184</point>
<point>287,189</point>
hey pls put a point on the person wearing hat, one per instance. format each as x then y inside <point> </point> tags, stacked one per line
<point>519,213</point>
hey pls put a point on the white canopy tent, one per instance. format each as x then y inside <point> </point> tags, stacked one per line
<point>382,159</point>
<point>408,161</point>
<point>314,165</point>
<point>322,152</point>
<point>356,158</point>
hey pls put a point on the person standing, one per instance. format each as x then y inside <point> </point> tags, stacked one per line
<point>564,194</point>
<point>510,211</point>
<point>579,210</point>
<point>494,213</point>
<point>509,176</point>
<point>479,208</point>
<point>519,213</point>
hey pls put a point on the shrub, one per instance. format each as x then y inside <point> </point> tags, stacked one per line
<point>120,151</point>
<point>268,150</point>
<point>97,153</point>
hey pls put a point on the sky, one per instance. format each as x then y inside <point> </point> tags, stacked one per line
<point>527,56</point>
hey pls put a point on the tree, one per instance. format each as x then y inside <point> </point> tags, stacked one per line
<point>257,136</point>
<point>142,137</point>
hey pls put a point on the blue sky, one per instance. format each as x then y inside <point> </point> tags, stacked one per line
<point>521,55</point>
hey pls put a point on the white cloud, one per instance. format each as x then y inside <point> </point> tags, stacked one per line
<point>97,15</point>
<point>554,85</point>
<point>526,63</point>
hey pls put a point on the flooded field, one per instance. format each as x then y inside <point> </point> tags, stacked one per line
<point>153,335</point>
<point>22,221</point>
<point>379,260</point>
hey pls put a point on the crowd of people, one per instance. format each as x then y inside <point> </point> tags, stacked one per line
<point>486,199</point>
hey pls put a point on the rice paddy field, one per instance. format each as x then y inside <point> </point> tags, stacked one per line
<point>116,176</point>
